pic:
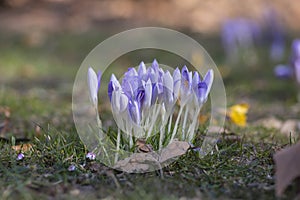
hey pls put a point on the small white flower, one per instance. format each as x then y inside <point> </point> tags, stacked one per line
<point>90,156</point>
<point>71,168</point>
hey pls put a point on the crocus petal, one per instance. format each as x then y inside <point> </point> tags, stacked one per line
<point>168,87</point>
<point>155,65</point>
<point>177,83</point>
<point>148,94</point>
<point>142,69</point>
<point>208,79</point>
<point>99,75</point>
<point>201,92</point>
<point>140,96</point>
<point>113,85</point>
<point>186,85</point>
<point>93,85</point>
<point>134,112</point>
<point>119,101</point>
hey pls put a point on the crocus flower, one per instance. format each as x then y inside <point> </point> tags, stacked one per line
<point>145,101</point>
<point>94,85</point>
<point>186,85</point>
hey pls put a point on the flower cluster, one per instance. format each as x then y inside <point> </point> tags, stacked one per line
<point>146,100</point>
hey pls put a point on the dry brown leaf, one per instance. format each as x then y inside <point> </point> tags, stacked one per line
<point>143,147</point>
<point>173,150</point>
<point>22,147</point>
<point>144,162</point>
<point>287,167</point>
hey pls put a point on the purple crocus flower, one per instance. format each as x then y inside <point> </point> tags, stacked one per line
<point>202,88</point>
<point>186,85</point>
<point>239,34</point>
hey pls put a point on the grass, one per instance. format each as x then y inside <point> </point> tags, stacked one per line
<point>240,167</point>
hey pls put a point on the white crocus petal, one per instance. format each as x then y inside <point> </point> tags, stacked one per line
<point>168,87</point>
<point>131,72</point>
<point>176,82</point>
<point>142,69</point>
<point>93,86</point>
<point>115,82</point>
<point>123,102</point>
<point>195,81</point>
<point>148,93</point>
<point>208,79</point>
<point>119,101</point>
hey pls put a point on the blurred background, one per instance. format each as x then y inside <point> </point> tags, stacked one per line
<point>42,44</point>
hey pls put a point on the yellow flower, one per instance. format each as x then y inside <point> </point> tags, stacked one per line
<point>238,114</point>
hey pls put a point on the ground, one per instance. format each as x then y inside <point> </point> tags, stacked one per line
<point>36,86</point>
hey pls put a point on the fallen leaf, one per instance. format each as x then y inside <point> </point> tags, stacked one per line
<point>287,168</point>
<point>143,147</point>
<point>145,162</point>
<point>238,114</point>
<point>173,150</point>
<point>270,122</point>
<point>22,147</point>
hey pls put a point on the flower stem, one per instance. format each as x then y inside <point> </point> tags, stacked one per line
<point>191,130</point>
<point>118,145</point>
<point>184,122</point>
<point>176,124</point>
<point>153,122</point>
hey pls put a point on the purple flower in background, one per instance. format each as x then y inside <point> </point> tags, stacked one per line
<point>295,54</point>
<point>275,34</point>
<point>239,34</point>
<point>295,58</point>
<point>283,71</point>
